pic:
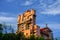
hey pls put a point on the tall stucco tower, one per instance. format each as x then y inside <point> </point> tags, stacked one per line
<point>27,23</point>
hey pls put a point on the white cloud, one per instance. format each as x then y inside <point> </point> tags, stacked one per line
<point>26,3</point>
<point>52,9</point>
<point>52,12</point>
<point>58,1</point>
<point>7,19</point>
<point>52,26</point>
<point>7,14</point>
<point>3,13</point>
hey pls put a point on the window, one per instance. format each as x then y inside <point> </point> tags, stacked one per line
<point>27,26</point>
<point>21,27</point>
<point>23,30</point>
<point>26,33</point>
<point>34,32</point>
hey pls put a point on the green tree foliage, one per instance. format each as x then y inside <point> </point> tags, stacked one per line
<point>39,38</point>
<point>13,36</point>
<point>56,38</point>
<point>1,31</point>
<point>1,28</point>
<point>20,36</point>
<point>32,37</point>
<point>9,36</point>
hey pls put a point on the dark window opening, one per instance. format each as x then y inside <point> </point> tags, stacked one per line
<point>27,26</point>
<point>26,33</point>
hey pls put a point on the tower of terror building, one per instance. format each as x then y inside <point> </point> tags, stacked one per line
<point>27,25</point>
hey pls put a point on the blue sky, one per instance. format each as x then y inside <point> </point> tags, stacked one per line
<point>47,11</point>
